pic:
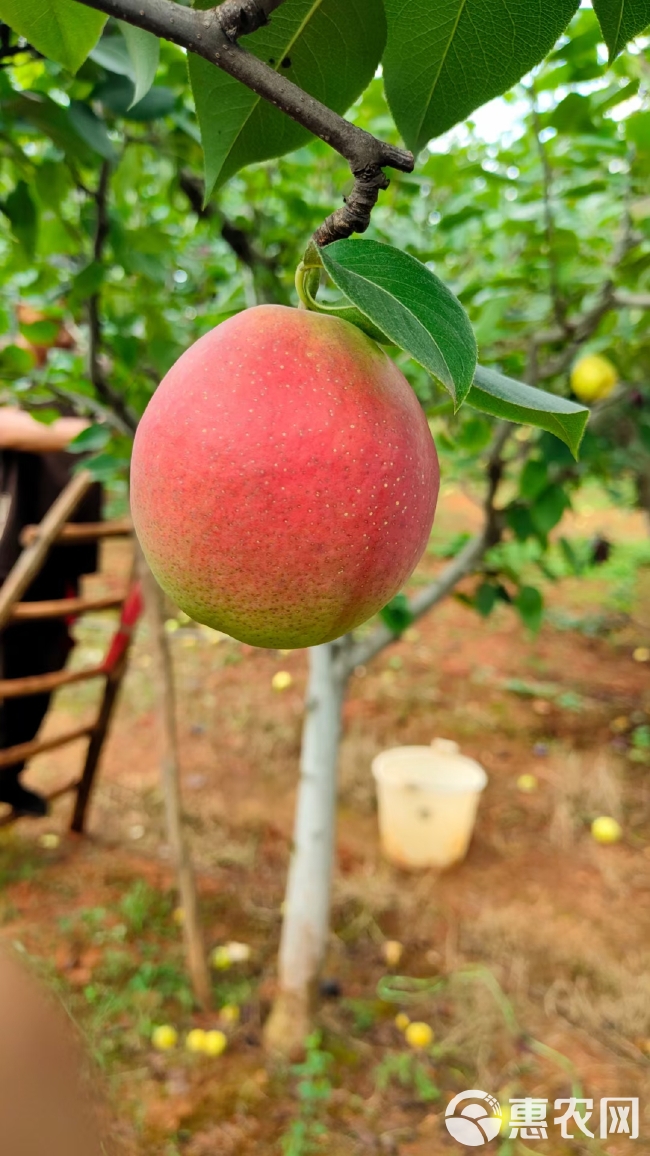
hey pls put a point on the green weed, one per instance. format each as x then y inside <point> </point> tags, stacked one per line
<point>313,1090</point>
<point>410,1072</point>
<point>145,909</point>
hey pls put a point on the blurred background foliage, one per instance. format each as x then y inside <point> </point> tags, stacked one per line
<point>535,213</point>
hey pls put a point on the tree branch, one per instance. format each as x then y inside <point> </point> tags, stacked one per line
<point>109,396</point>
<point>361,652</point>
<point>264,270</point>
<point>557,297</point>
<point>607,299</point>
<point>369,647</point>
<point>241,17</point>
<point>632,300</point>
<point>212,35</point>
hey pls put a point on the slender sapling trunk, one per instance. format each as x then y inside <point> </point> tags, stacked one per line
<point>307,906</point>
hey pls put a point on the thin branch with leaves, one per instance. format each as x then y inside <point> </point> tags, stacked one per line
<point>213,34</point>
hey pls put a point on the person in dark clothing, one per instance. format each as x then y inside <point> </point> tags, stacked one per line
<point>34,469</point>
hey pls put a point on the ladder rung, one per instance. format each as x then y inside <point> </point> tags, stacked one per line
<point>62,607</point>
<point>73,785</point>
<point>43,683</point>
<point>76,532</point>
<point>24,751</point>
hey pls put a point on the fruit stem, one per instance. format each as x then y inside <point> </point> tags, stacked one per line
<point>308,275</point>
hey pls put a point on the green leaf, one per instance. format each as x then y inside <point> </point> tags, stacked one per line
<point>91,129</point>
<point>94,437</point>
<point>533,479</point>
<point>116,93</point>
<point>86,283</point>
<point>637,131</point>
<point>548,509</point>
<point>621,21</point>
<point>51,120</point>
<point>144,51</point>
<point>574,562</point>
<point>41,332</point>
<point>61,29</point>
<point>330,48</point>
<point>112,54</point>
<point>443,60</point>
<point>396,614</point>
<point>503,397</point>
<point>15,362</point>
<point>410,305</point>
<point>486,598</point>
<point>530,604</point>
<point>21,211</point>
<point>105,467</point>
<point>520,522</point>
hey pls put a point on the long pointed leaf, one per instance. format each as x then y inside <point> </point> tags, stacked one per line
<point>144,51</point>
<point>621,21</point>
<point>61,29</point>
<point>444,58</point>
<point>503,397</point>
<point>408,303</point>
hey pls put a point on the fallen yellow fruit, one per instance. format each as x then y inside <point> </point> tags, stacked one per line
<point>402,1021</point>
<point>527,783</point>
<point>220,958</point>
<point>164,1038</point>
<point>195,1040</point>
<point>49,840</point>
<point>392,951</point>
<point>215,1043</point>
<point>178,915</point>
<point>641,654</point>
<point>418,1035</point>
<point>620,724</point>
<point>229,1014</point>
<point>282,680</point>
<point>593,378</point>
<point>606,830</point>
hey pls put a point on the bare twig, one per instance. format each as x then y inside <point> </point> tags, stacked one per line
<point>170,775</point>
<point>632,300</point>
<point>465,563</point>
<point>607,299</point>
<point>557,297</point>
<point>109,396</point>
<point>264,269</point>
<point>212,34</point>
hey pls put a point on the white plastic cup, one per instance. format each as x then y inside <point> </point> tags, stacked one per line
<point>428,798</point>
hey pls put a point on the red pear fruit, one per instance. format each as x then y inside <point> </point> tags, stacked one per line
<point>284,478</point>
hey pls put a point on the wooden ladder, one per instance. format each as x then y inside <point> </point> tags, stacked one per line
<point>37,542</point>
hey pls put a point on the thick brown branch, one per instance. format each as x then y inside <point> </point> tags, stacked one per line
<point>210,34</point>
<point>354,216</point>
<point>241,17</point>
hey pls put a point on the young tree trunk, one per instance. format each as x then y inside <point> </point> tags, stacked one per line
<point>307,905</point>
<point>170,775</point>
